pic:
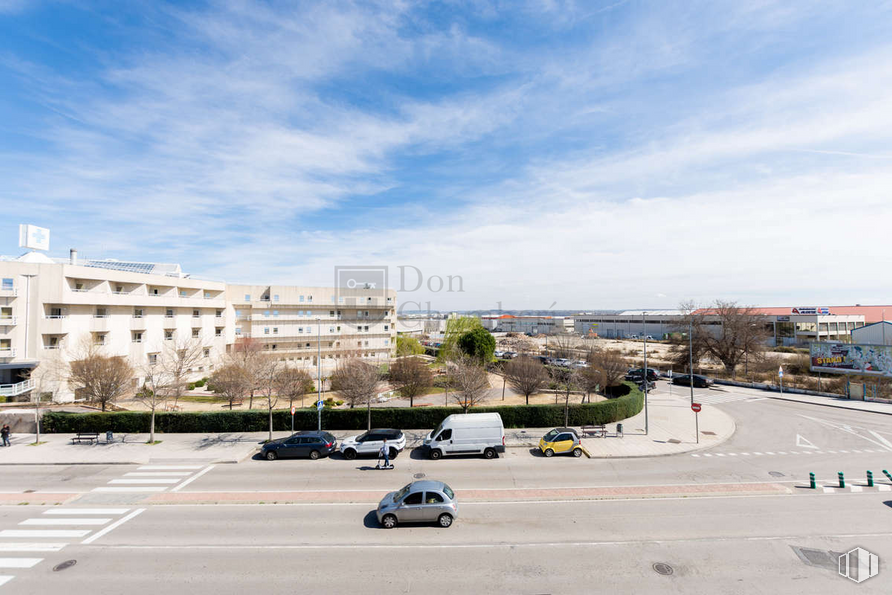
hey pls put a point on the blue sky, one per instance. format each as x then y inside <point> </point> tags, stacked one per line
<point>584,154</point>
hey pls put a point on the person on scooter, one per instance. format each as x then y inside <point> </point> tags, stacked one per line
<point>385,454</point>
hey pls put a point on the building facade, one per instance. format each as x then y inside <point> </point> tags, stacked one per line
<point>533,325</point>
<point>53,310</point>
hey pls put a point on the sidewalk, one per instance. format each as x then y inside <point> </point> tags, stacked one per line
<point>838,402</point>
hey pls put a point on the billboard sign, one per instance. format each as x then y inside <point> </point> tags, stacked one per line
<point>843,358</point>
<point>33,237</point>
<point>809,311</point>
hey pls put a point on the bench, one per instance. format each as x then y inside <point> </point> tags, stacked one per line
<point>88,436</point>
<point>595,431</point>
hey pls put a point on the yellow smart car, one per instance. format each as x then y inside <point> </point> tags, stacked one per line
<point>561,440</point>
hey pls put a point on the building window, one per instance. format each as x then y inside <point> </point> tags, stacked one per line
<point>196,314</point>
<point>275,330</point>
<point>366,343</point>
<point>339,328</point>
<point>101,313</point>
<point>99,339</point>
<point>207,352</point>
<point>137,337</point>
<point>301,299</point>
<point>309,298</point>
<point>387,328</point>
<point>154,291</point>
<point>169,313</point>
<point>247,297</point>
<point>366,313</point>
<point>196,333</point>
<point>276,297</point>
<point>275,313</point>
<point>182,293</point>
<point>168,335</point>
<point>153,358</point>
<point>387,342</point>
<point>300,330</point>
<point>238,330</point>
<point>218,332</point>
<point>138,313</point>
<point>7,284</point>
<point>266,330</point>
<point>308,346</point>
<point>366,329</point>
<point>274,346</point>
<point>331,329</point>
<point>219,314</point>
<point>331,312</point>
<point>389,299</point>
<point>207,295</point>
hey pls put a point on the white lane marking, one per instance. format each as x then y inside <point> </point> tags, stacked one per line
<point>829,490</point>
<point>832,451</point>
<point>133,489</point>
<point>758,453</point>
<point>885,442</point>
<point>10,546</point>
<point>51,521</point>
<point>780,453</point>
<point>746,454</point>
<point>695,455</point>
<point>5,579</point>
<point>858,451</point>
<point>168,467</point>
<point>144,481</point>
<point>844,452</point>
<point>769,453</point>
<point>403,546</point>
<point>67,533</point>
<point>884,488</point>
<point>794,452</point>
<point>706,454</point>
<point>86,511</point>
<point>113,526</point>
<point>732,454</point>
<point>191,479</point>
<point>19,562</point>
<point>803,443</point>
<point>718,454</point>
<point>158,474</point>
<point>856,489</point>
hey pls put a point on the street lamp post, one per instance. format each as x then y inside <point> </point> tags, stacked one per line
<point>691,376</point>
<point>644,328</point>
<point>318,373</point>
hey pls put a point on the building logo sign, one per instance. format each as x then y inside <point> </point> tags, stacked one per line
<point>809,311</point>
<point>357,285</point>
<point>870,360</point>
<point>859,565</point>
<point>33,237</point>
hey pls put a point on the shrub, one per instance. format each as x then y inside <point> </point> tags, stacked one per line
<point>190,386</point>
<point>518,416</point>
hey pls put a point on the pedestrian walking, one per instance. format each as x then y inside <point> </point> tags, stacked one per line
<point>385,454</point>
<point>5,433</point>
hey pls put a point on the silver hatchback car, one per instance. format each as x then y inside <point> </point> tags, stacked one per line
<point>425,501</point>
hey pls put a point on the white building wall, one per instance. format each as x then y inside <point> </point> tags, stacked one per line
<point>873,334</point>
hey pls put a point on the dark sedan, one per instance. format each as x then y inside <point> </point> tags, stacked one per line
<point>699,381</point>
<point>302,444</point>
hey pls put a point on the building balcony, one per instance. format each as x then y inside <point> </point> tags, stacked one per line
<point>55,325</point>
<point>99,324</point>
<point>14,390</point>
<point>7,353</point>
<point>196,322</point>
<point>9,292</point>
<point>170,322</point>
<point>137,323</point>
<point>8,321</point>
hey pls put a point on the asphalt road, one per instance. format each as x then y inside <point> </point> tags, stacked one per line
<point>730,543</point>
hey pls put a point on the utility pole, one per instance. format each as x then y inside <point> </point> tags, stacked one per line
<point>691,375</point>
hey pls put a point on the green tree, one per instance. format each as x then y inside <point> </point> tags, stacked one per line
<point>478,343</point>
<point>455,328</point>
<point>408,346</point>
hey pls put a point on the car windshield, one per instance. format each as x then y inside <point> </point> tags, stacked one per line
<point>448,491</point>
<point>328,437</point>
<point>399,495</point>
<point>362,436</point>
<point>550,435</point>
<point>437,431</point>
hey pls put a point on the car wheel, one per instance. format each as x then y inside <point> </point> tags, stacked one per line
<point>489,453</point>
<point>393,453</point>
<point>435,454</point>
<point>349,454</point>
<point>389,521</point>
<point>271,455</point>
<point>445,520</point>
<point>549,452</point>
<point>577,452</point>
<point>314,454</point>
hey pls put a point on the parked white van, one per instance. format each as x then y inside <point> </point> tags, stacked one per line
<point>467,433</point>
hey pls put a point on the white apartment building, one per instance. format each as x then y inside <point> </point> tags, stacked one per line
<point>301,323</point>
<point>51,307</point>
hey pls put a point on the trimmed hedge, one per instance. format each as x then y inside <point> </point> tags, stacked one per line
<point>516,416</point>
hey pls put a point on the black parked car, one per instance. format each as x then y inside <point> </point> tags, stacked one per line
<point>302,444</point>
<point>637,375</point>
<point>699,381</point>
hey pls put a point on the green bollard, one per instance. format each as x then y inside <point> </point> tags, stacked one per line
<point>870,479</point>
<point>811,479</point>
<point>842,480</point>
<point>887,474</point>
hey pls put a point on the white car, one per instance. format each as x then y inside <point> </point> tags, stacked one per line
<point>370,443</point>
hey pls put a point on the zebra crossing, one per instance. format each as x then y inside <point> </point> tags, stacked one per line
<point>772,453</point>
<point>41,535</point>
<point>154,478</point>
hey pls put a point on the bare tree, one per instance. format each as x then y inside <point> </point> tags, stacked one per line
<point>471,383</point>
<point>100,378</point>
<point>567,380</point>
<point>231,381</point>
<point>411,377</point>
<point>358,382</point>
<point>177,360</point>
<point>47,377</point>
<point>293,383</point>
<point>607,367</point>
<point>154,391</point>
<point>563,345</point>
<point>247,351</point>
<point>728,333</point>
<point>267,371</point>
<point>526,375</point>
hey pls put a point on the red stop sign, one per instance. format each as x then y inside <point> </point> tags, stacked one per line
<point>695,407</point>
